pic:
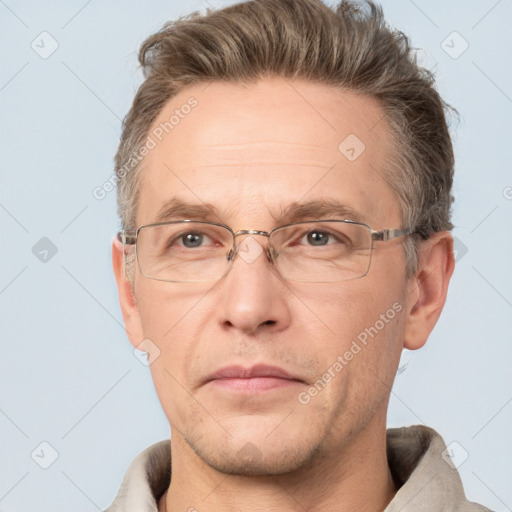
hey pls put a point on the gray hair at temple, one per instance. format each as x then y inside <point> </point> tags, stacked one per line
<point>349,46</point>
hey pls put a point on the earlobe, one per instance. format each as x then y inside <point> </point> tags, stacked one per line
<point>429,288</point>
<point>127,300</point>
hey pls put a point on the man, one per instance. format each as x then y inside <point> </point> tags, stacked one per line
<point>284,187</point>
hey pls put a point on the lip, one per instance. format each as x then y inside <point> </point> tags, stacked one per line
<point>252,379</point>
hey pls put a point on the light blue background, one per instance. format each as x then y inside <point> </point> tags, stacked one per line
<point>68,374</point>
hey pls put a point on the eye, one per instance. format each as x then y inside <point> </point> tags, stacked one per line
<point>315,236</point>
<point>318,238</point>
<point>186,240</point>
<point>193,239</point>
<point>175,239</point>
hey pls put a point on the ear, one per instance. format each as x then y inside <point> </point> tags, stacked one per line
<point>428,288</point>
<point>127,300</point>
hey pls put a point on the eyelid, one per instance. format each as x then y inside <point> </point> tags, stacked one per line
<point>297,233</point>
<point>213,233</point>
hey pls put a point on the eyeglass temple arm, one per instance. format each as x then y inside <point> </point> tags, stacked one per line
<point>127,237</point>
<point>390,234</point>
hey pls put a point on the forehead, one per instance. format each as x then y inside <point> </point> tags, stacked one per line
<point>251,151</point>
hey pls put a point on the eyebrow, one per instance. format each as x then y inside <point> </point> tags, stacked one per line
<point>176,209</point>
<point>312,210</point>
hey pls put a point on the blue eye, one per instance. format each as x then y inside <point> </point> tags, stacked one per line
<point>192,239</point>
<point>318,237</point>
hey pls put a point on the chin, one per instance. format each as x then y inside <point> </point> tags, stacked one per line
<point>256,457</point>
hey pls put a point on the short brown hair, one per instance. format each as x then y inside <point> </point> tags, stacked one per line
<point>350,47</point>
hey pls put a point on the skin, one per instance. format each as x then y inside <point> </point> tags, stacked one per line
<point>250,150</point>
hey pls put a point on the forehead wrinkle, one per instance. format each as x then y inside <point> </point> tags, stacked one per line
<point>242,145</point>
<point>268,152</point>
<point>260,164</point>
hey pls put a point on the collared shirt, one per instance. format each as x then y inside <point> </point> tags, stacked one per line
<point>424,474</point>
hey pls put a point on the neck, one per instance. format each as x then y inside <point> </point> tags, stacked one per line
<point>355,478</point>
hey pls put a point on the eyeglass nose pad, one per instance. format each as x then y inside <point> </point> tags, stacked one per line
<point>272,254</point>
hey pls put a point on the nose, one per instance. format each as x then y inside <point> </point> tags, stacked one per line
<point>253,296</point>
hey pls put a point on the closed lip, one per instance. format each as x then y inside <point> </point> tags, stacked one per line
<point>257,371</point>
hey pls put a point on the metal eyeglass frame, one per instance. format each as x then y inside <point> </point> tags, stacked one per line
<point>130,236</point>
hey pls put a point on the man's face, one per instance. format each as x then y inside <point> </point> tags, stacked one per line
<point>252,151</point>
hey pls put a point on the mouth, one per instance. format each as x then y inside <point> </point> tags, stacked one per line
<point>255,379</point>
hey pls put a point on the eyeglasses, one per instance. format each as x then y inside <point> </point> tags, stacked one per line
<point>319,251</point>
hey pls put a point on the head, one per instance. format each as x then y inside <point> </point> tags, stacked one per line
<point>245,114</point>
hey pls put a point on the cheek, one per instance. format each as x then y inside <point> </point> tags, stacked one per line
<point>167,310</point>
<point>172,392</point>
<point>173,371</point>
<point>359,361</point>
<point>171,318</point>
<point>363,327</point>
<point>340,312</point>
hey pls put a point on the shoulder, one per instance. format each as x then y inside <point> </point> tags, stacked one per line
<point>145,481</point>
<point>424,473</point>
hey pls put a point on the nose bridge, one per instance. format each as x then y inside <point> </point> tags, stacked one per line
<point>237,248</point>
<point>253,299</point>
